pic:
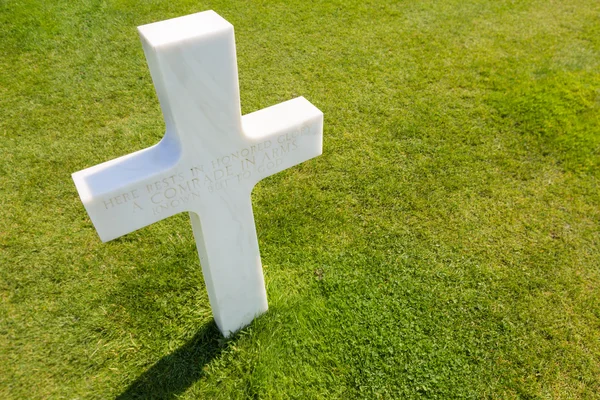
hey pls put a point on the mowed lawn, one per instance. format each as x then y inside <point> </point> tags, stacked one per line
<point>445,245</point>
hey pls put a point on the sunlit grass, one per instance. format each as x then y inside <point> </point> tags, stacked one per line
<point>445,245</point>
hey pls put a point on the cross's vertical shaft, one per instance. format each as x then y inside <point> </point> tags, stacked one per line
<point>196,79</point>
<point>197,84</point>
<point>228,248</point>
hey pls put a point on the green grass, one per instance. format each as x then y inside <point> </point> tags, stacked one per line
<point>445,245</point>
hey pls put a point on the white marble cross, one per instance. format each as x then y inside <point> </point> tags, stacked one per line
<point>207,163</point>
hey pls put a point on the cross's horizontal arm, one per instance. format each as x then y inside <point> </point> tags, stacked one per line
<point>293,131</point>
<point>114,191</point>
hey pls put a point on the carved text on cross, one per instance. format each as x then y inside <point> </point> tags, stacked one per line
<point>207,163</point>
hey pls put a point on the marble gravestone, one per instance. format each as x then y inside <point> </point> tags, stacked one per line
<point>207,163</point>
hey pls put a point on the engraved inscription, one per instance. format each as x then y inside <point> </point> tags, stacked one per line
<point>172,192</point>
<point>123,198</point>
<point>177,190</point>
